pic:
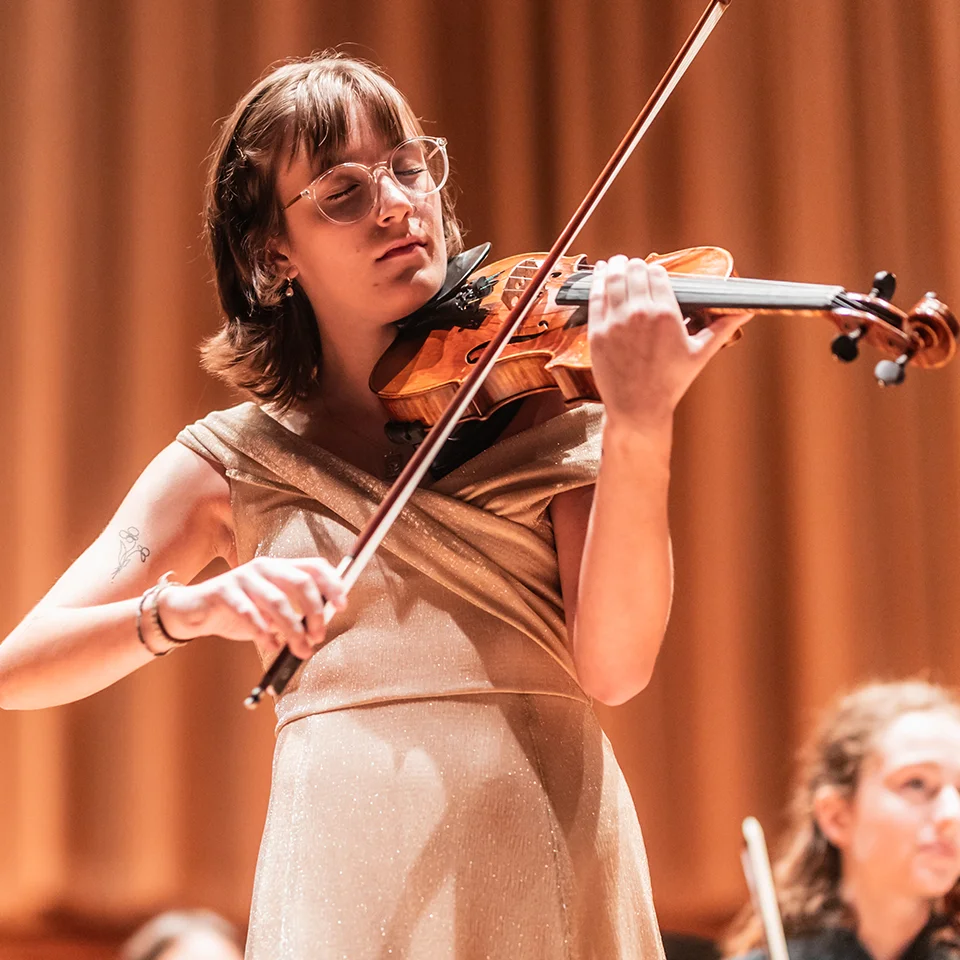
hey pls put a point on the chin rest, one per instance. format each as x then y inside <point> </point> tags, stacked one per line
<point>458,269</point>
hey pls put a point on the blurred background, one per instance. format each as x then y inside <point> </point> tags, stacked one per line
<point>816,517</point>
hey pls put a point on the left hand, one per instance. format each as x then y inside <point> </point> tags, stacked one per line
<point>642,356</point>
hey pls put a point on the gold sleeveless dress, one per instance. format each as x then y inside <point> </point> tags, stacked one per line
<point>441,786</point>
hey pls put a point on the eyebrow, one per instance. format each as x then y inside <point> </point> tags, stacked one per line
<point>927,765</point>
<point>339,157</point>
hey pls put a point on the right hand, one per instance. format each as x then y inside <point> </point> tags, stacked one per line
<point>258,601</point>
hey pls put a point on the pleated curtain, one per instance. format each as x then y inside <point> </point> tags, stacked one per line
<point>816,518</point>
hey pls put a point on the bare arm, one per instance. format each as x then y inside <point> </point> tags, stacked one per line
<point>81,636</point>
<point>613,541</point>
<point>616,567</point>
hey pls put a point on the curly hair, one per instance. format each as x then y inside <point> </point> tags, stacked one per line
<point>808,873</point>
<point>269,345</point>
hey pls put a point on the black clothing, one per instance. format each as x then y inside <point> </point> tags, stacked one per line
<point>839,943</point>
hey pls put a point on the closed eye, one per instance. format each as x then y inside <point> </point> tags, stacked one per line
<point>919,786</point>
<point>340,194</point>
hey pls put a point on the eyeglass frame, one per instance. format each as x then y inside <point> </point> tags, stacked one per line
<point>308,190</point>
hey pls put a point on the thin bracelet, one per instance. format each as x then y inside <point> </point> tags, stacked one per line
<point>140,636</point>
<point>162,585</point>
<point>151,594</point>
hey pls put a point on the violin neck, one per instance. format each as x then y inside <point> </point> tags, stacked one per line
<point>724,293</point>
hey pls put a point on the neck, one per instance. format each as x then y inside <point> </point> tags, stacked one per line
<point>886,925</point>
<point>348,361</point>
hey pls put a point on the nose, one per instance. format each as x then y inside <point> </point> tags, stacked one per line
<point>947,811</point>
<point>393,202</point>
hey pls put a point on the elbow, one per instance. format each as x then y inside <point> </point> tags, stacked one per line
<point>14,693</point>
<point>612,686</point>
<point>15,696</point>
<point>7,696</point>
<point>614,666</point>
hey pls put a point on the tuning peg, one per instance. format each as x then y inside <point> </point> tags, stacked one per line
<point>891,373</point>
<point>845,347</point>
<point>884,285</point>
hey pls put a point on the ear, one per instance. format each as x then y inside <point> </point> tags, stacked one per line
<point>833,813</point>
<point>279,258</point>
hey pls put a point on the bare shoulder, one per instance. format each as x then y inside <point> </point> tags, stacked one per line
<point>186,483</point>
<point>176,516</point>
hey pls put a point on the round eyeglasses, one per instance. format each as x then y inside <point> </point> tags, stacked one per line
<point>347,192</point>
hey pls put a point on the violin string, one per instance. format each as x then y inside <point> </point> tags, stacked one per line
<point>731,291</point>
<point>721,291</point>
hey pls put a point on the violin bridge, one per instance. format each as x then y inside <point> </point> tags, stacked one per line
<point>521,275</point>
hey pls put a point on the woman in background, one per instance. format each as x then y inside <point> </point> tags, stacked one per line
<point>872,855</point>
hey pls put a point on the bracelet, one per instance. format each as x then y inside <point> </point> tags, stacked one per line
<point>162,585</point>
<point>151,595</point>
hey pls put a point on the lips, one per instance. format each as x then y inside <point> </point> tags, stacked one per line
<point>942,849</point>
<point>402,247</point>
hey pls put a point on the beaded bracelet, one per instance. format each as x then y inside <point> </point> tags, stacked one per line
<point>152,595</point>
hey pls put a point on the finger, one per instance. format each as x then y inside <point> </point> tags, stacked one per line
<point>638,280</point>
<point>598,294</point>
<point>242,607</point>
<point>327,580</point>
<point>301,645</point>
<point>616,285</point>
<point>304,595</point>
<point>661,291</point>
<point>275,606</point>
<point>710,339</point>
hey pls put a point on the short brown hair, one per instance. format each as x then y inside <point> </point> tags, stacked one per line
<point>808,873</point>
<point>269,345</point>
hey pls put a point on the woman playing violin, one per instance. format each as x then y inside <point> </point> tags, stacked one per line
<point>872,857</point>
<point>441,786</point>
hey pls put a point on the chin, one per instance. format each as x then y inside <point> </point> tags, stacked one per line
<point>932,882</point>
<point>418,288</point>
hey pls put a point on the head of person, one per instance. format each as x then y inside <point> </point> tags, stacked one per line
<point>876,813</point>
<point>326,210</point>
<point>184,935</point>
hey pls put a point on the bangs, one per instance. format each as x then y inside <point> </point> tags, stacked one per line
<point>322,105</point>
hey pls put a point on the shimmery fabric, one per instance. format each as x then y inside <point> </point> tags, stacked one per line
<point>441,786</point>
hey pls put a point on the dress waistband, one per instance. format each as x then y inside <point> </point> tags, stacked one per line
<point>303,710</point>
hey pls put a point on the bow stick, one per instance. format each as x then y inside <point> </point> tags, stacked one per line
<point>353,564</point>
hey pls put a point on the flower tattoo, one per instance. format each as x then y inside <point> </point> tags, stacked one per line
<point>129,548</point>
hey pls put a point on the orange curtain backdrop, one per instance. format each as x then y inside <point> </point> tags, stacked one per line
<point>816,518</point>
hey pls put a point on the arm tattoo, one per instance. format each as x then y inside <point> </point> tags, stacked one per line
<point>129,548</point>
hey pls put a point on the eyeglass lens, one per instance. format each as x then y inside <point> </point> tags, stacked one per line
<point>347,192</point>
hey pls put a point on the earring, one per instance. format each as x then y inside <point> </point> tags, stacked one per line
<point>289,291</point>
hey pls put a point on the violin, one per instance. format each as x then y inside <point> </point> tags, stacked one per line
<point>439,346</point>
<point>515,310</point>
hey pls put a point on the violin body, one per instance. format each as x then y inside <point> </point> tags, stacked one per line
<point>420,373</point>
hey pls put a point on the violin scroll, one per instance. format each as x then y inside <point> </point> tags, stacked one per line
<point>925,337</point>
<point>936,330</point>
